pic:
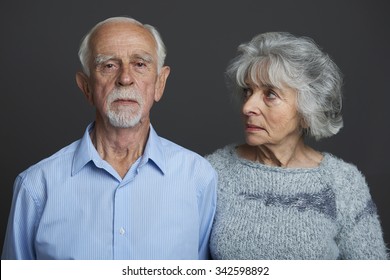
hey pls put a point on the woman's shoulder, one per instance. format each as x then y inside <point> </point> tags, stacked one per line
<point>340,167</point>
<point>345,176</point>
<point>222,157</point>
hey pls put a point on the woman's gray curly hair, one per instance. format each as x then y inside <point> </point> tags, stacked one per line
<point>280,58</point>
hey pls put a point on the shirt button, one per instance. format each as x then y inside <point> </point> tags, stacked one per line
<point>122,231</point>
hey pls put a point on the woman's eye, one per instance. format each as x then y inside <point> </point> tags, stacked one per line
<point>271,95</point>
<point>246,92</point>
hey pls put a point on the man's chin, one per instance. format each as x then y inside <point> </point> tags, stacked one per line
<point>125,123</point>
<point>123,120</point>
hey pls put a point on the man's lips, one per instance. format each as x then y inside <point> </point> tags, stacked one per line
<point>125,101</point>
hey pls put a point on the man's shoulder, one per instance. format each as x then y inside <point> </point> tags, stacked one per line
<point>59,160</point>
<point>177,153</point>
<point>172,148</point>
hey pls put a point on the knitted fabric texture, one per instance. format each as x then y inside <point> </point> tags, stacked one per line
<point>266,212</point>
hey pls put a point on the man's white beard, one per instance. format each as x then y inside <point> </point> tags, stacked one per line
<point>124,116</point>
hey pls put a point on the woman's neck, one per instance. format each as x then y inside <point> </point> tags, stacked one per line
<point>298,155</point>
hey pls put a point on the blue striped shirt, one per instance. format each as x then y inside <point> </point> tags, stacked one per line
<point>74,205</point>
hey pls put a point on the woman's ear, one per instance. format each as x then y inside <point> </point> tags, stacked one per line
<point>303,123</point>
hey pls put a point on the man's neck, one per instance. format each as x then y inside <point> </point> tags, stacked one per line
<point>120,147</point>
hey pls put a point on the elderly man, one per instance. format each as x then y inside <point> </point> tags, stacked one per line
<point>121,191</point>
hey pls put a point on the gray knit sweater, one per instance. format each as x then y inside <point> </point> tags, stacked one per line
<point>266,212</point>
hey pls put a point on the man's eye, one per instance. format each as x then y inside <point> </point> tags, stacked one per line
<point>110,67</point>
<point>140,64</point>
<point>107,67</point>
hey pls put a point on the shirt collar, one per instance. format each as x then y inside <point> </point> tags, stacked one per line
<point>154,151</point>
<point>86,152</point>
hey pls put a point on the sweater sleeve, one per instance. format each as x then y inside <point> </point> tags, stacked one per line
<point>360,235</point>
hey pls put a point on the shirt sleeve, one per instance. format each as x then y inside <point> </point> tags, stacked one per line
<point>22,222</point>
<point>207,204</point>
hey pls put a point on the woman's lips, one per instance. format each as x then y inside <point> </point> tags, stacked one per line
<point>253,128</point>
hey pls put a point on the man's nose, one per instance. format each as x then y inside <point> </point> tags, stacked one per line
<point>125,76</point>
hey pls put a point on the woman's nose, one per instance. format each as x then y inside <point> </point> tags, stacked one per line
<point>251,105</point>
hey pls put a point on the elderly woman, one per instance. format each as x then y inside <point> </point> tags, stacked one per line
<point>278,198</point>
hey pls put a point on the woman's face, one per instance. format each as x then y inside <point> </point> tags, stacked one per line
<point>270,115</point>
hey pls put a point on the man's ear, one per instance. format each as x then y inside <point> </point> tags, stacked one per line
<point>160,83</point>
<point>83,84</point>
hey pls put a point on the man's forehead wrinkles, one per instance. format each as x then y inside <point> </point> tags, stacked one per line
<point>100,58</point>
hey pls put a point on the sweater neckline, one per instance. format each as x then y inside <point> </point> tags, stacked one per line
<point>233,152</point>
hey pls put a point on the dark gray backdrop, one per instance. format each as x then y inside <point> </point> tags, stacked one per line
<point>42,110</point>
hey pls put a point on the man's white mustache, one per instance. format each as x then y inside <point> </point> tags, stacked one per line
<point>130,94</point>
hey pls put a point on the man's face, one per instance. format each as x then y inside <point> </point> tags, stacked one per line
<point>124,83</point>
